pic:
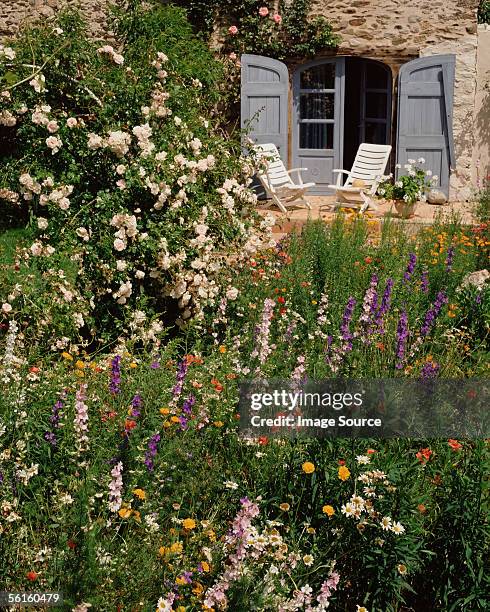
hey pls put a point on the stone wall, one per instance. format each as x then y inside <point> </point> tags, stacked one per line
<point>13,13</point>
<point>395,31</point>
<point>481,149</point>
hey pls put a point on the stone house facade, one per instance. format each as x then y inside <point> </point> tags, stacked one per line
<point>379,38</point>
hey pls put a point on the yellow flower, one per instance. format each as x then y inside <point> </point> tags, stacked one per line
<point>137,516</point>
<point>211,535</point>
<point>176,548</point>
<point>67,356</point>
<point>180,609</point>
<point>125,512</point>
<point>174,419</point>
<point>162,550</point>
<point>79,373</point>
<point>79,364</point>
<point>218,423</point>
<point>284,507</point>
<point>164,411</point>
<point>311,530</point>
<point>189,523</point>
<point>205,566</point>
<point>308,467</point>
<point>180,581</point>
<point>328,510</point>
<point>198,589</point>
<point>344,472</point>
<point>133,365</point>
<point>314,302</point>
<point>140,493</point>
<point>222,349</point>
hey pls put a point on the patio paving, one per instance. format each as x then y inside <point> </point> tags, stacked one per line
<point>322,208</point>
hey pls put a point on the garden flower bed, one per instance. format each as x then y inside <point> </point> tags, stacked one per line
<point>139,289</point>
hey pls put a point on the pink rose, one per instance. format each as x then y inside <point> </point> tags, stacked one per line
<point>277,18</point>
<point>263,11</point>
<point>233,30</point>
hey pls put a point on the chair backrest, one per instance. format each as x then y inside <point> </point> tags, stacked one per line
<point>276,174</point>
<point>369,165</point>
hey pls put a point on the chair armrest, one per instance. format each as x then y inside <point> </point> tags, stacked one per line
<point>298,171</point>
<point>339,175</point>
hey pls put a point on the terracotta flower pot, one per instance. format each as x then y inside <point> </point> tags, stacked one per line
<point>404,209</point>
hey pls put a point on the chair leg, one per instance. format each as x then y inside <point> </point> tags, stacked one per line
<point>281,206</point>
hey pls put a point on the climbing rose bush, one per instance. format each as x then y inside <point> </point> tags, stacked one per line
<point>119,167</point>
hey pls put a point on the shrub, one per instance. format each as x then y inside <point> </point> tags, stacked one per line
<point>117,163</point>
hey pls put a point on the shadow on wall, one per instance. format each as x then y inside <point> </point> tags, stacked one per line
<point>482,127</point>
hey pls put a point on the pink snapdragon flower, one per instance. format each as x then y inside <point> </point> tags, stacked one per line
<point>263,11</point>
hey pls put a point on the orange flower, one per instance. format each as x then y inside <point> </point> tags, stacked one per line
<point>31,576</point>
<point>189,523</point>
<point>421,508</point>
<point>308,467</point>
<point>328,510</point>
<point>371,451</point>
<point>368,260</point>
<point>344,473</point>
<point>222,349</point>
<point>454,444</point>
<point>263,440</point>
<point>424,455</point>
<point>129,424</point>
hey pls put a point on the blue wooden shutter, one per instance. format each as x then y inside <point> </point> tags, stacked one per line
<point>264,101</point>
<point>425,115</point>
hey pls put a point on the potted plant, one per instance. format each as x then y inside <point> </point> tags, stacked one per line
<point>408,189</point>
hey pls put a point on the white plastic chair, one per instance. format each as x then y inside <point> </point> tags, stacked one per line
<point>277,181</point>
<point>369,167</point>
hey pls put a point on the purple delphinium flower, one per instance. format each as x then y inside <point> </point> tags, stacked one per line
<point>385,305</point>
<point>449,258</point>
<point>424,281</point>
<point>430,370</point>
<point>136,403</point>
<point>187,406</point>
<point>401,339</point>
<point>346,319</point>
<point>478,298</point>
<point>50,436</point>
<point>152,451</point>
<point>115,375</point>
<point>412,261</point>
<point>155,365</point>
<point>433,312</point>
<point>181,374</point>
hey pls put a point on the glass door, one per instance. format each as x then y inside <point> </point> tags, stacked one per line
<point>318,109</point>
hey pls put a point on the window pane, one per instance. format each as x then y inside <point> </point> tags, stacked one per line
<point>376,105</point>
<point>376,76</point>
<point>375,133</point>
<point>319,77</point>
<point>316,135</point>
<point>317,106</point>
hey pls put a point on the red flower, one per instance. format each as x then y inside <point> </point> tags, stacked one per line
<point>472,394</point>
<point>368,260</point>
<point>341,462</point>
<point>72,544</point>
<point>129,424</point>
<point>34,369</point>
<point>454,444</point>
<point>424,455</point>
<point>31,576</point>
<point>370,451</point>
<point>263,440</point>
<point>281,300</point>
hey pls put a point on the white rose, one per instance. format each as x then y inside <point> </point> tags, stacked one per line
<point>42,223</point>
<point>121,265</point>
<point>232,293</point>
<point>6,307</point>
<point>120,169</point>
<point>119,244</point>
<point>36,248</point>
<point>52,126</point>
<point>71,122</point>
<point>139,274</point>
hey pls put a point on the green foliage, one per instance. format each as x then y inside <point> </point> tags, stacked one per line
<point>283,35</point>
<point>484,12</point>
